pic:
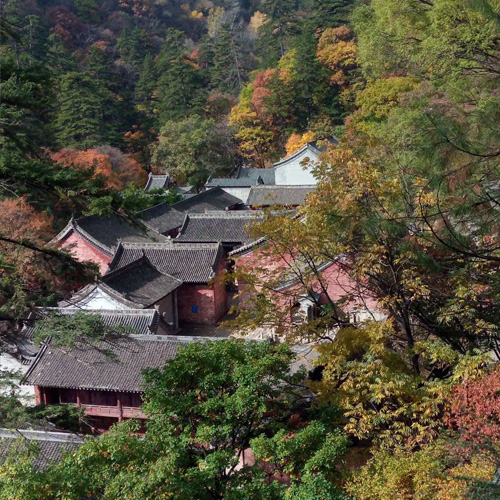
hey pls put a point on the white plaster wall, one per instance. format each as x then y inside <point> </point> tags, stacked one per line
<point>98,299</point>
<point>294,173</point>
<point>9,363</point>
<point>240,192</point>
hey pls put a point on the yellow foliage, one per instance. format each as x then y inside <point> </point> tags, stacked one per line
<point>296,141</point>
<point>257,21</point>
<point>196,14</point>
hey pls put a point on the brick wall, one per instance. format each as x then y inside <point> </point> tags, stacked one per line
<point>208,300</point>
<point>83,251</point>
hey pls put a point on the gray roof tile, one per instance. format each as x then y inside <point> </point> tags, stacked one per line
<point>157,182</point>
<point>190,263</point>
<point>105,232</point>
<point>138,321</point>
<point>141,282</point>
<point>164,218</point>
<point>88,367</point>
<point>246,177</point>
<point>50,445</point>
<point>226,227</point>
<point>278,195</point>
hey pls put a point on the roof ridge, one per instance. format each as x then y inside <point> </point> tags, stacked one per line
<point>167,246</point>
<point>286,159</point>
<point>230,214</point>
<point>248,246</point>
<point>62,437</point>
<point>114,312</point>
<point>284,186</point>
<point>135,263</point>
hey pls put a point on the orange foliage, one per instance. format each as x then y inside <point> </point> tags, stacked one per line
<point>117,169</point>
<point>20,220</point>
<point>261,92</point>
<point>296,141</point>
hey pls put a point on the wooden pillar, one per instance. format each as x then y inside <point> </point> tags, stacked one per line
<point>175,310</point>
<point>44,394</point>
<point>120,408</point>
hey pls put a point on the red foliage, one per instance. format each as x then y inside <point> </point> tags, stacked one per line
<point>475,408</point>
<point>66,24</point>
<point>116,168</point>
<point>21,221</point>
<point>261,91</point>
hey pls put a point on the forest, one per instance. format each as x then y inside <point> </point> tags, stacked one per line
<point>97,94</point>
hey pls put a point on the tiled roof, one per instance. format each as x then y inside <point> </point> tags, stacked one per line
<point>226,227</point>
<point>138,321</point>
<point>190,263</point>
<point>246,177</point>
<point>141,282</point>
<point>249,247</point>
<point>278,195</point>
<point>163,218</point>
<point>116,365</point>
<point>50,445</point>
<point>105,232</point>
<point>157,182</point>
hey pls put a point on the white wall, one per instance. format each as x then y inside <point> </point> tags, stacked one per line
<point>240,192</point>
<point>98,299</point>
<point>297,172</point>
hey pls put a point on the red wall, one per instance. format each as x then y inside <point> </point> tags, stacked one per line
<point>210,299</point>
<point>83,251</point>
<point>338,284</point>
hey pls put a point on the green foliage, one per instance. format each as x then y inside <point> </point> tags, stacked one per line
<point>442,471</point>
<point>134,46</point>
<point>81,328</point>
<point>136,199</point>
<point>79,123</point>
<point>206,407</point>
<point>192,149</point>
<point>310,456</point>
<point>88,10</point>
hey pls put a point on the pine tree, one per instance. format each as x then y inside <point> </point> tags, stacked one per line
<point>226,73</point>
<point>79,119</point>
<point>181,88</point>
<point>279,28</point>
<point>328,14</point>
<point>147,81</point>
<point>59,59</point>
<point>133,46</point>
<point>35,37</point>
<point>88,10</point>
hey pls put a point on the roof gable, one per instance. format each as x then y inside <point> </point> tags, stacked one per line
<point>190,263</point>
<point>105,232</point>
<point>157,182</point>
<point>141,282</point>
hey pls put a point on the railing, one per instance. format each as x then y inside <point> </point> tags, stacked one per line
<point>113,411</point>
